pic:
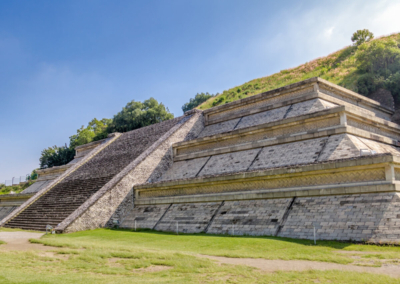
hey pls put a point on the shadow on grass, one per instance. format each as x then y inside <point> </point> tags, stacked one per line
<point>305,242</point>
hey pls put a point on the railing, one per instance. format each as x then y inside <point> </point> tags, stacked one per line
<point>17,180</point>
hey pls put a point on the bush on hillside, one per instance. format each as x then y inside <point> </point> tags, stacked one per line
<point>196,101</point>
<point>379,65</point>
<point>361,36</point>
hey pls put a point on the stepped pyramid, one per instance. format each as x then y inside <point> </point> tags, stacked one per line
<point>281,163</point>
<point>89,191</point>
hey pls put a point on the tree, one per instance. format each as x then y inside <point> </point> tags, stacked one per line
<point>96,130</point>
<point>34,175</point>
<point>137,114</point>
<point>134,115</point>
<point>196,101</point>
<point>361,36</point>
<point>56,156</point>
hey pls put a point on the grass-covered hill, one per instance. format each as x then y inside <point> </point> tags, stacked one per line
<point>363,69</point>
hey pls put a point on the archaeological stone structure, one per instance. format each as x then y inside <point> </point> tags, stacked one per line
<point>304,157</point>
<point>10,202</point>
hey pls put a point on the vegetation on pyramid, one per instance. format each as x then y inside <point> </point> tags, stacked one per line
<point>133,116</point>
<point>365,67</point>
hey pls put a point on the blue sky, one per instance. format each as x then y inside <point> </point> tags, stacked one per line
<point>63,63</point>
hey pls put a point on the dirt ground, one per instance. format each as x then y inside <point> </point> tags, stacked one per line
<point>19,241</point>
<point>301,265</point>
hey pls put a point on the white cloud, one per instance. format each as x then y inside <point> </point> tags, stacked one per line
<point>328,32</point>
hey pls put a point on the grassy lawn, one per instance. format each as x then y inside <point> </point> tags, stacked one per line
<point>119,256</point>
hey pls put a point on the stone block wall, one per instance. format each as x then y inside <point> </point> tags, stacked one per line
<point>291,110</point>
<point>146,217</point>
<point>363,217</point>
<point>190,217</point>
<point>250,217</point>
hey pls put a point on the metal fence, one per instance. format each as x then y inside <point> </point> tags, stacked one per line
<point>17,180</point>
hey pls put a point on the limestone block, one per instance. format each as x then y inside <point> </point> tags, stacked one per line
<point>301,152</point>
<point>146,217</point>
<point>309,107</point>
<point>190,217</point>
<point>380,147</point>
<point>250,217</point>
<point>362,217</point>
<point>184,169</point>
<point>230,162</point>
<point>218,128</point>
<point>263,117</point>
<point>342,146</point>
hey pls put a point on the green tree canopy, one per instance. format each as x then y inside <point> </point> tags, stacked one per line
<point>56,156</point>
<point>196,101</point>
<point>378,56</point>
<point>134,115</point>
<point>361,36</point>
<point>96,130</point>
<point>137,114</point>
<point>379,64</point>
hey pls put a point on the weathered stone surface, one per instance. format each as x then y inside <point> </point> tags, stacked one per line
<point>309,107</point>
<point>188,218</point>
<point>263,117</point>
<point>367,217</point>
<point>341,147</point>
<point>380,147</point>
<point>302,152</point>
<point>228,163</point>
<point>249,217</point>
<point>146,217</point>
<point>221,127</point>
<point>185,169</point>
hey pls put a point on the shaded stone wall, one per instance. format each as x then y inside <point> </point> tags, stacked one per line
<point>360,217</point>
<point>190,217</point>
<point>367,217</point>
<point>146,217</point>
<point>4,211</point>
<point>250,217</point>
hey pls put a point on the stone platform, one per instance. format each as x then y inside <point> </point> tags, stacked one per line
<point>281,163</point>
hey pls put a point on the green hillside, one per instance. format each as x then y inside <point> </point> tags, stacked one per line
<point>362,69</point>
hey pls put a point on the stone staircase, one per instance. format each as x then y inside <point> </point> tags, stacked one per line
<point>57,204</point>
<point>53,205</point>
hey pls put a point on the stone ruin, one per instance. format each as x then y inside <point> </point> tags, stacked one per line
<point>311,155</point>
